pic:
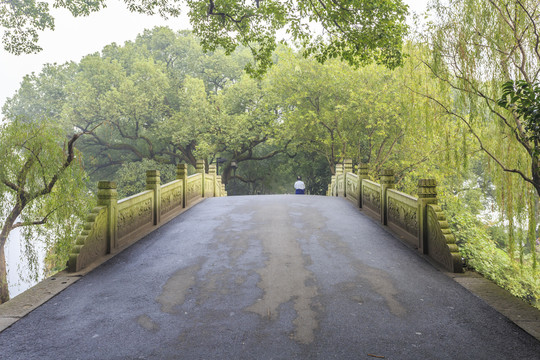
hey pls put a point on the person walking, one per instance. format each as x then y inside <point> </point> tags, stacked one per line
<point>299,186</point>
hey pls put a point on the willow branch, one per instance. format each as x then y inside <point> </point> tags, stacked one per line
<point>480,142</point>
<point>37,222</point>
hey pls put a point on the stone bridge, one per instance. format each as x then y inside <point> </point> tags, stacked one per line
<point>260,277</point>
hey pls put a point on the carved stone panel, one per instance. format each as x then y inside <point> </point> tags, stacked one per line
<point>341,184</point>
<point>209,186</point>
<point>403,215</point>
<point>194,188</point>
<point>352,187</point>
<point>171,198</point>
<point>135,216</point>
<point>441,242</point>
<point>92,243</point>
<point>371,199</point>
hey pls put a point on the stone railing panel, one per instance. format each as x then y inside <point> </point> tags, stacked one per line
<point>209,185</point>
<point>340,183</point>
<point>418,221</point>
<point>113,224</point>
<point>134,214</point>
<point>171,197</point>
<point>352,188</point>
<point>371,192</point>
<point>91,244</point>
<point>441,243</point>
<point>194,188</point>
<point>403,215</point>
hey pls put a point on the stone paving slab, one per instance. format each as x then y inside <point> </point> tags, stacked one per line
<point>522,314</point>
<point>34,297</point>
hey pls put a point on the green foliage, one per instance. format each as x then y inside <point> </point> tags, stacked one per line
<point>131,177</point>
<point>358,31</point>
<point>490,89</point>
<point>23,20</point>
<point>523,98</point>
<point>42,188</point>
<point>483,255</point>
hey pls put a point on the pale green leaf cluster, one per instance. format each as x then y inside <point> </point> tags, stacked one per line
<point>160,98</point>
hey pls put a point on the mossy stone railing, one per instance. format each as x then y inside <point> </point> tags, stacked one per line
<point>115,224</point>
<point>419,221</point>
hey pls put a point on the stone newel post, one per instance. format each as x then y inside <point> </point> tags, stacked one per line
<point>212,170</point>
<point>153,182</point>
<point>363,171</point>
<point>387,182</point>
<point>347,168</point>
<point>108,196</point>
<point>181,174</point>
<point>339,171</point>
<point>199,168</point>
<point>427,194</point>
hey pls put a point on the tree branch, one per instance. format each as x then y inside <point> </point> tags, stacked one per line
<point>37,222</point>
<point>480,143</point>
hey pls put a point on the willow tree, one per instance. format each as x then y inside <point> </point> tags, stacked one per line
<point>41,187</point>
<point>487,53</point>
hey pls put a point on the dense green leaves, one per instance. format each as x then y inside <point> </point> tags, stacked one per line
<point>22,20</point>
<point>523,99</point>
<point>357,31</point>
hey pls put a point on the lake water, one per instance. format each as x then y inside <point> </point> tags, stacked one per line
<point>18,273</point>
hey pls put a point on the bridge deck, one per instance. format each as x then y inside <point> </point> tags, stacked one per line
<point>267,277</point>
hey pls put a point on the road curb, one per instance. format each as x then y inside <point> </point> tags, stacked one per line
<point>514,309</point>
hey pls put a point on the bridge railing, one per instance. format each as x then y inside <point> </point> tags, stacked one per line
<point>115,224</point>
<point>419,221</point>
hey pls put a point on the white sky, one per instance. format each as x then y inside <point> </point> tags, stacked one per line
<point>74,38</point>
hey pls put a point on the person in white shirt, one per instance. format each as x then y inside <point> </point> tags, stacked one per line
<point>299,186</point>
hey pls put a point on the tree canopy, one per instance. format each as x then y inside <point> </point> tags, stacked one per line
<point>357,31</point>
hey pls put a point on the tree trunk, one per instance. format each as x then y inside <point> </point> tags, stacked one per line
<point>535,169</point>
<point>4,290</point>
<point>226,174</point>
<point>6,230</point>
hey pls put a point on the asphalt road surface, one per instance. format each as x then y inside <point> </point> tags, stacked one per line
<point>267,277</point>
